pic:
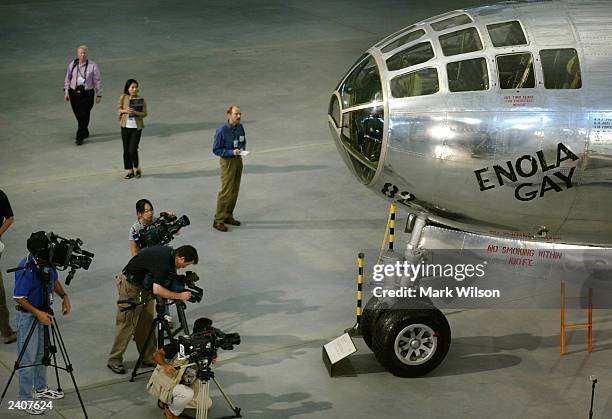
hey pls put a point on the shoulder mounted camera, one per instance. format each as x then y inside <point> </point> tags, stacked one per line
<point>57,251</point>
<point>161,231</point>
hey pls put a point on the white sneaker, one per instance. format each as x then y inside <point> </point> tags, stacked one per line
<point>47,394</point>
<point>33,411</point>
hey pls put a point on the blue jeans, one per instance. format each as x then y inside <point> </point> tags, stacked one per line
<point>32,376</point>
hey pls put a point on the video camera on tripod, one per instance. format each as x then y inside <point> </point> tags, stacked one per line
<point>50,252</point>
<point>201,347</point>
<point>161,231</point>
<point>186,282</point>
<point>57,251</point>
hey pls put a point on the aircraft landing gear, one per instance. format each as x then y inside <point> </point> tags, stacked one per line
<point>408,339</point>
<point>371,312</point>
<point>411,342</point>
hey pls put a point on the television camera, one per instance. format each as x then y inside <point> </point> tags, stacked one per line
<point>201,347</point>
<point>57,251</point>
<point>186,282</point>
<point>161,231</point>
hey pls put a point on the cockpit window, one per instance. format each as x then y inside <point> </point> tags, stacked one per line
<point>409,37</point>
<point>515,71</point>
<point>416,54</point>
<point>507,34</point>
<point>468,75</point>
<point>451,22</point>
<point>460,42</point>
<point>362,133</point>
<point>362,85</point>
<point>561,68</point>
<point>418,83</point>
<point>393,35</point>
<point>334,110</point>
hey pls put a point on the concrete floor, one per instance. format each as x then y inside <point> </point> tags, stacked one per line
<point>284,280</point>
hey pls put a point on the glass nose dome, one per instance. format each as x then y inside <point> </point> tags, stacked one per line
<point>359,127</point>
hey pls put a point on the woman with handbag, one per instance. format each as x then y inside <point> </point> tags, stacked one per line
<point>132,110</point>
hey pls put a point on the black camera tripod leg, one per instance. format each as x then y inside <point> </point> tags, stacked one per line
<point>184,326</point>
<point>53,351</point>
<point>161,325</point>
<point>231,404</point>
<point>57,337</point>
<point>141,355</point>
<point>20,357</point>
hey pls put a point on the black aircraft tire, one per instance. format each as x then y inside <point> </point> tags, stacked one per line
<point>431,350</point>
<point>371,312</point>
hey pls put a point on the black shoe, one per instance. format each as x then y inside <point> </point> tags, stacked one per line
<point>129,175</point>
<point>232,221</point>
<point>117,369</point>
<point>219,226</point>
<point>79,141</point>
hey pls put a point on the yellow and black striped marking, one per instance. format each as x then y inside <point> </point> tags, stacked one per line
<point>360,258</point>
<point>392,227</point>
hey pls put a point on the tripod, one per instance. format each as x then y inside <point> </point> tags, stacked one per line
<point>50,347</point>
<point>593,381</point>
<point>162,326</point>
<point>205,375</point>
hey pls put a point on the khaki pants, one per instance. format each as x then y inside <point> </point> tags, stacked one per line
<point>230,170</point>
<point>5,327</point>
<point>136,322</point>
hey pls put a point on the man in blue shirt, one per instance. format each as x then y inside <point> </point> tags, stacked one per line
<point>30,296</point>
<point>229,144</point>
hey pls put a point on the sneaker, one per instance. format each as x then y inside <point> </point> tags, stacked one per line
<point>33,411</point>
<point>12,337</point>
<point>47,394</point>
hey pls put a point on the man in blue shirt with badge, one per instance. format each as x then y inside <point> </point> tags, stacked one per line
<point>30,296</point>
<point>229,145</point>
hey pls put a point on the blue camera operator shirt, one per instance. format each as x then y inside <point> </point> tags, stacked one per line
<point>227,138</point>
<point>28,283</point>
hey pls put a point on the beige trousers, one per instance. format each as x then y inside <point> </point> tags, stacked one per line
<point>230,170</point>
<point>136,322</point>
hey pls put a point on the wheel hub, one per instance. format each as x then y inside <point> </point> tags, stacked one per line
<point>415,344</point>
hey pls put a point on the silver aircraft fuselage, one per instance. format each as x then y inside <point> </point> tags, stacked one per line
<point>494,120</point>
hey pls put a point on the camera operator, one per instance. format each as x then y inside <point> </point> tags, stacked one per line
<point>174,384</point>
<point>144,214</point>
<point>147,272</point>
<point>145,217</point>
<point>30,296</point>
